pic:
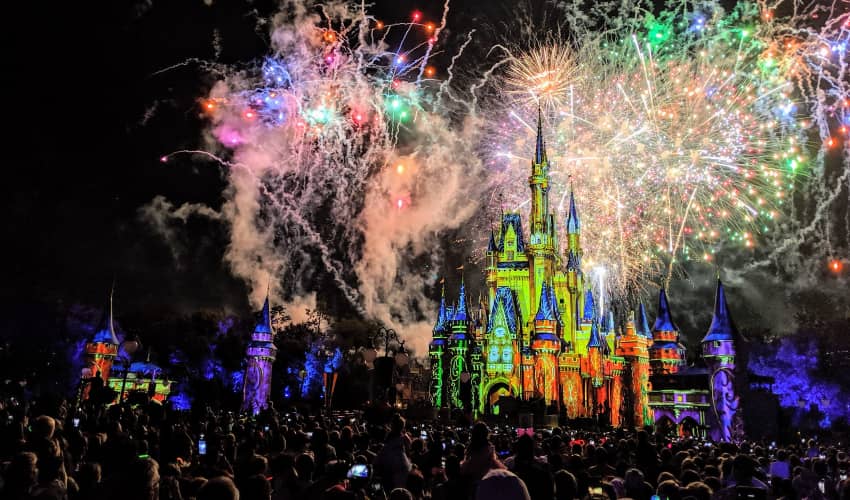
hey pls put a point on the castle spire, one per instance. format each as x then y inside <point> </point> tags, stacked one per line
<point>573,223</point>
<point>460,310</point>
<point>722,327</point>
<point>106,331</point>
<point>441,315</point>
<point>663,320</point>
<point>589,306</point>
<point>265,324</point>
<point>642,323</point>
<point>544,310</point>
<point>491,245</point>
<point>540,149</point>
<point>594,340</point>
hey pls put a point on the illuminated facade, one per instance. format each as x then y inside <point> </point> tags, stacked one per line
<point>101,349</point>
<point>539,335</point>
<point>260,356</point>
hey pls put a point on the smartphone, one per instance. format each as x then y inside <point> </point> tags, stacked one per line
<point>423,435</point>
<point>655,497</point>
<point>360,471</point>
<point>76,421</point>
<point>266,428</point>
<point>843,476</point>
<point>202,446</point>
<point>595,490</point>
<point>592,443</point>
<point>309,435</point>
<point>822,486</point>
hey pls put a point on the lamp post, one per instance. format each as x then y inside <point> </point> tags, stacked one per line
<point>395,360</point>
<point>129,347</point>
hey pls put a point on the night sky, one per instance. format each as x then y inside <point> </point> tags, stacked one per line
<point>88,119</point>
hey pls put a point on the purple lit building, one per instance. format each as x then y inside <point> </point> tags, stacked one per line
<point>260,356</point>
<point>695,400</point>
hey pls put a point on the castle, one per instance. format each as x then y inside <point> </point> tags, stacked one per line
<point>540,336</point>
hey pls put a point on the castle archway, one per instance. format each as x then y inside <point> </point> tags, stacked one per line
<point>495,389</point>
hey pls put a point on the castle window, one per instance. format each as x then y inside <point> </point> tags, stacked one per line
<point>510,255</point>
<point>716,343</point>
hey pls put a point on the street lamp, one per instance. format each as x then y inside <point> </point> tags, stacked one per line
<point>393,361</point>
<point>128,347</point>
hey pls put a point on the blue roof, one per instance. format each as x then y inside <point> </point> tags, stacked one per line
<point>544,311</point>
<point>491,245</point>
<point>505,299</point>
<point>460,311</point>
<point>265,324</point>
<point>722,327</point>
<point>611,325</point>
<point>540,147</point>
<point>663,320</point>
<point>514,221</point>
<point>594,340</point>
<point>642,323</point>
<point>573,223</point>
<point>589,307</point>
<point>144,367</point>
<point>440,326</point>
<point>105,333</point>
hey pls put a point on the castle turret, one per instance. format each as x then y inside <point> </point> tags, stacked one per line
<point>102,348</point>
<point>546,344</point>
<point>459,344</point>
<point>666,355</point>
<point>594,354</point>
<point>718,349</point>
<point>633,346</point>
<point>437,351</point>
<point>260,356</point>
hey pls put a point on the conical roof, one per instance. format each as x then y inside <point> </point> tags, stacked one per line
<point>664,320</point>
<point>722,327</point>
<point>106,329</point>
<point>642,323</point>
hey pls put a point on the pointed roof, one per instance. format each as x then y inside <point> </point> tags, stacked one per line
<point>460,310</point>
<point>265,323</point>
<point>540,147</point>
<point>105,333</point>
<point>504,303</point>
<point>440,325</point>
<point>589,306</point>
<point>491,245</point>
<point>594,340</point>
<point>664,320</point>
<point>573,223</point>
<point>722,327</point>
<point>642,324</point>
<point>544,311</point>
<point>512,220</point>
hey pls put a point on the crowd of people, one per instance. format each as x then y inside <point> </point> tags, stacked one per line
<point>148,452</point>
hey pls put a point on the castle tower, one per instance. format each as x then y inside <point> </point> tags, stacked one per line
<point>458,349</point>
<point>718,349</point>
<point>666,354</point>
<point>260,356</point>
<point>541,247</point>
<point>436,353</point>
<point>546,345</point>
<point>102,348</point>
<point>633,346</point>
